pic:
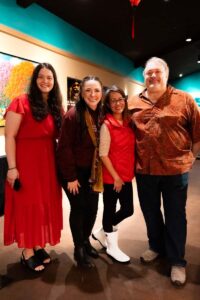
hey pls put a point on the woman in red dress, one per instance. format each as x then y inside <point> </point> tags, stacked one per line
<point>33,207</point>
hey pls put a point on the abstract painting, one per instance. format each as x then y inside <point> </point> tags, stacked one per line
<point>15,74</point>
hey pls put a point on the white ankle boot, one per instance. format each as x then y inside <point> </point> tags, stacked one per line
<point>178,275</point>
<point>113,249</point>
<point>99,235</point>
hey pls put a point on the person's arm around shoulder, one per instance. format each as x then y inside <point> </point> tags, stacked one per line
<point>13,121</point>
<point>103,152</point>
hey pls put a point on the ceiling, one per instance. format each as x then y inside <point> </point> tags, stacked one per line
<point>161,28</point>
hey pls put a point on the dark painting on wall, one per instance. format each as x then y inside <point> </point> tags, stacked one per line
<point>15,74</point>
<point>73,89</point>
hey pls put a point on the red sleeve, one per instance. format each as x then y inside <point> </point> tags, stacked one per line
<point>17,105</point>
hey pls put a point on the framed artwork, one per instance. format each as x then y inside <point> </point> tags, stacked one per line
<point>73,89</point>
<point>15,74</point>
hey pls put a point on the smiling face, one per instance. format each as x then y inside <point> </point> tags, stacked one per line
<point>155,76</point>
<point>92,93</point>
<point>117,103</point>
<point>45,81</point>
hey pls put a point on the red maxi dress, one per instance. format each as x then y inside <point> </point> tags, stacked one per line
<point>33,215</point>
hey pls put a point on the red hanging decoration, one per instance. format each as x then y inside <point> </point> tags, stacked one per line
<point>134,3</point>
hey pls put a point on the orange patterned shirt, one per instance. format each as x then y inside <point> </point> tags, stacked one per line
<point>165,132</point>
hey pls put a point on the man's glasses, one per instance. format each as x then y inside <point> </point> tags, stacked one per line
<point>117,101</point>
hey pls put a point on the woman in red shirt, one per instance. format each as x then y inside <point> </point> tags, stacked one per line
<point>117,143</point>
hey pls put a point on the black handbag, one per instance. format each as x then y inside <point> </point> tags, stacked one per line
<point>3,174</point>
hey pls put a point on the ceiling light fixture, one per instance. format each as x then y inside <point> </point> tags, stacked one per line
<point>180,75</point>
<point>198,60</point>
<point>188,40</point>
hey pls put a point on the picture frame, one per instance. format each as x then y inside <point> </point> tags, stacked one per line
<point>15,74</point>
<point>73,89</point>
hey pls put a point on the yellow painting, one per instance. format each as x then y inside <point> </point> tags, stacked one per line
<point>15,74</point>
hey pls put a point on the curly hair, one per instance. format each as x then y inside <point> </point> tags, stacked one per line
<point>106,102</point>
<point>40,108</point>
<point>81,104</point>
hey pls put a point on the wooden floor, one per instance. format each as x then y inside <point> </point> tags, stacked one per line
<point>108,281</point>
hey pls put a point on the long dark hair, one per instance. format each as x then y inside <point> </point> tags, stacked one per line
<point>81,106</point>
<point>106,103</point>
<point>39,108</point>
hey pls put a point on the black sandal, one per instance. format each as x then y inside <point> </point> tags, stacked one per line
<point>31,263</point>
<point>42,255</point>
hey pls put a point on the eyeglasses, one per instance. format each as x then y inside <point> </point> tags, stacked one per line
<point>116,101</point>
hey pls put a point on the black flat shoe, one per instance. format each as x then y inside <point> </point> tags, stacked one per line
<point>31,263</point>
<point>91,251</point>
<point>82,258</point>
<point>42,255</point>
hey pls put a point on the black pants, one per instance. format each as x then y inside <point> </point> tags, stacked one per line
<point>84,207</point>
<point>166,235</point>
<point>110,215</point>
<point>3,174</point>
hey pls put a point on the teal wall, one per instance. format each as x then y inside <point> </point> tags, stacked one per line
<point>190,84</point>
<point>138,74</point>
<point>39,23</point>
